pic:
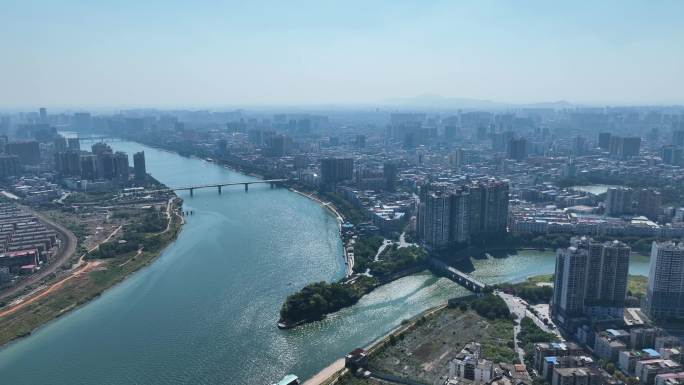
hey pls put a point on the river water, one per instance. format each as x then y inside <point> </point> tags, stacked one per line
<point>205,311</point>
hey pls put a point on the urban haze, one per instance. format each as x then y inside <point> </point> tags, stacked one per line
<point>349,193</point>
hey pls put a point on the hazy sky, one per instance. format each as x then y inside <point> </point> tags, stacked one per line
<point>217,53</point>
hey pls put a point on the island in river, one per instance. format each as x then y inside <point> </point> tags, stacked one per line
<point>204,312</point>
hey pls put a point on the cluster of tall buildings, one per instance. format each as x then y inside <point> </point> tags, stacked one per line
<point>100,164</point>
<point>450,214</point>
<point>590,282</point>
<point>621,200</point>
<point>620,147</point>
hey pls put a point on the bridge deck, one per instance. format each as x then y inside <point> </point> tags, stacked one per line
<point>457,275</point>
<point>215,185</point>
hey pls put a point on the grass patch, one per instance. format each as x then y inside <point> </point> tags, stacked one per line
<point>637,285</point>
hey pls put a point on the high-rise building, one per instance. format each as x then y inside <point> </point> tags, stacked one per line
<point>301,161</point>
<point>479,209</point>
<point>450,132</point>
<point>590,280</point>
<point>488,207</point>
<point>618,201</point>
<point>360,141</point>
<point>3,142</point>
<point>630,147</point>
<point>517,149</point>
<point>648,203</point>
<point>139,166</point>
<point>28,153</point>
<point>60,144</point>
<point>101,148</point>
<point>68,163</point>
<point>624,147</point>
<point>277,146</point>
<point>73,144</point>
<point>43,115</point>
<point>435,214</point>
<point>9,165</point>
<point>604,140</point>
<point>88,166</point>
<point>481,134</point>
<point>677,136</point>
<point>389,173</point>
<point>459,216</point>
<point>501,140</point>
<point>665,294</point>
<point>672,154</point>
<point>335,170</point>
<point>494,207</point>
<point>81,121</point>
<point>607,273</point>
<point>579,146</point>
<point>457,158</point>
<point>105,166</point>
<point>569,283</point>
<point>121,167</point>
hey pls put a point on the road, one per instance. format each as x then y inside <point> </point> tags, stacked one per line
<point>63,254</point>
<point>385,243</point>
<point>515,306</point>
<point>81,267</point>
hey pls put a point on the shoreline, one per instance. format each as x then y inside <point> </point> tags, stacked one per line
<point>56,288</point>
<point>330,207</point>
<point>333,372</point>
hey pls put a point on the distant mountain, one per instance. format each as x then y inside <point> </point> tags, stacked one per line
<point>438,102</point>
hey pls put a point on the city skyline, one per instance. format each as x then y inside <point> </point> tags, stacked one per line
<point>229,54</point>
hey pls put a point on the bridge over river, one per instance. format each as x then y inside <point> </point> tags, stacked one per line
<point>456,275</point>
<point>272,182</point>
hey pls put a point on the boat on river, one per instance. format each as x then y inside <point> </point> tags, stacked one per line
<point>290,379</point>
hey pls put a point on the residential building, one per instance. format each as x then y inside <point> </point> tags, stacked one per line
<point>618,201</point>
<point>334,170</point>
<point>590,280</point>
<point>139,167</point>
<point>665,293</point>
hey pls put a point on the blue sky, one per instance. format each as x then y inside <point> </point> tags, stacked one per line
<point>225,53</point>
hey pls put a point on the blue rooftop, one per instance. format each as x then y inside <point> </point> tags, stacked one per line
<point>551,360</point>
<point>651,352</point>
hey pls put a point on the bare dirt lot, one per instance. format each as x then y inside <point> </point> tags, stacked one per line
<point>423,353</point>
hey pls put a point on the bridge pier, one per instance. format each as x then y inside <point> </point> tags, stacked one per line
<point>246,187</point>
<point>192,192</point>
<point>219,189</point>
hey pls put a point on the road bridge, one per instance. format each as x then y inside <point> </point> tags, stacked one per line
<point>97,139</point>
<point>456,275</point>
<point>218,186</point>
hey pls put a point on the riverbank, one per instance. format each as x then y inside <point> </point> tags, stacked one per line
<point>86,280</point>
<point>334,372</point>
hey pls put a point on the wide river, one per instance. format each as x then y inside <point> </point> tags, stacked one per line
<point>205,311</point>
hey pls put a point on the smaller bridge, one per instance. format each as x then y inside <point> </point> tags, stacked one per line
<point>457,276</point>
<point>97,139</point>
<point>219,186</point>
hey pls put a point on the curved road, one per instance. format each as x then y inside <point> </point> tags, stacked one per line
<point>63,254</point>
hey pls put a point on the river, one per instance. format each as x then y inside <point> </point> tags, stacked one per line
<point>205,311</point>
